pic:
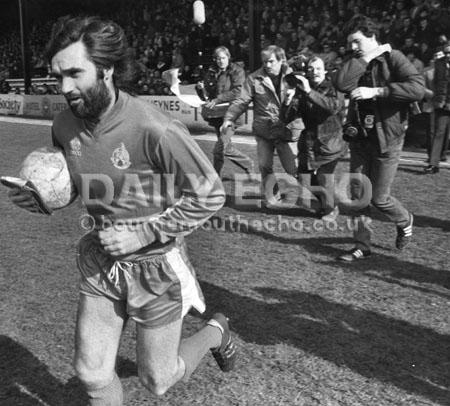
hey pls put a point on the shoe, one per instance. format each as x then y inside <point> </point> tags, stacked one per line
<point>431,169</point>
<point>275,202</point>
<point>330,216</point>
<point>354,255</point>
<point>443,159</point>
<point>404,234</point>
<point>225,355</point>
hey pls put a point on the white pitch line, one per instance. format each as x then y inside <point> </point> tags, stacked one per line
<point>21,120</point>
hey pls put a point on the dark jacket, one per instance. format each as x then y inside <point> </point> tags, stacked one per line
<point>322,113</point>
<point>405,85</point>
<point>224,86</point>
<point>259,89</point>
<point>441,83</point>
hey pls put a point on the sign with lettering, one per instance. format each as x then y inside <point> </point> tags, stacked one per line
<point>11,104</point>
<point>47,106</point>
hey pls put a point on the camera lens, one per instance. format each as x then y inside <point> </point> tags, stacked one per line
<point>351,131</point>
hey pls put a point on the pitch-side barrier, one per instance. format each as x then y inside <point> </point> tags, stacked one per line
<point>48,106</point>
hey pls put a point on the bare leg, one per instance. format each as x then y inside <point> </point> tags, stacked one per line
<point>163,360</point>
<point>99,327</point>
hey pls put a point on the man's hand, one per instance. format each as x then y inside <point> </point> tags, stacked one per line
<point>211,104</point>
<point>379,50</point>
<point>305,87</point>
<point>290,93</point>
<point>226,123</point>
<point>364,93</point>
<point>24,200</point>
<point>123,240</point>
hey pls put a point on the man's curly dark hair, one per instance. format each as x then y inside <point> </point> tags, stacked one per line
<point>367,26</point>
<point>106,46</point>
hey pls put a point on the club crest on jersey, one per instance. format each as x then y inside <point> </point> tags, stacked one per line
<point>75,147</point>
<point>121,158</point>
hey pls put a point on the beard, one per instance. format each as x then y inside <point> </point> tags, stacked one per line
<point>92,103</point>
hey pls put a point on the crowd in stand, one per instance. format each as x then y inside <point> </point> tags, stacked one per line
<point>164,37</point>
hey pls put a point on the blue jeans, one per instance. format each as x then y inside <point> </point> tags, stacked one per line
<point>265,149</point>
<point>380,169</point>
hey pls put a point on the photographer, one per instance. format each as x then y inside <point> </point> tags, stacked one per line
<point>381,83</point>
<point>222,83</point>
<point>316,101</point>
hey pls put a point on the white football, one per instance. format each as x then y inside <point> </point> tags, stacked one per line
<point>46,168</point>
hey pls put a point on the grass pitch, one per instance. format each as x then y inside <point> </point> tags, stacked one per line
<point>310,330</point>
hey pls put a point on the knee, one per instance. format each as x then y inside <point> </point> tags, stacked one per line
<point>158,385</point>
<point>92,376</point>
<point>159,382</point>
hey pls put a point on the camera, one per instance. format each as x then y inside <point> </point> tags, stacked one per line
<point>292,81</point>
<point>352,132</point>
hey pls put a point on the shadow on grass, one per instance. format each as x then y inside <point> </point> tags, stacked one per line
<point>125,367</point>
<point>378,266</point>
<point>26,381</point>
<point>410,357</point>
<point>254,204</point>
<point>419,220</point>
<point>416,170</point>
<point>425,221</point>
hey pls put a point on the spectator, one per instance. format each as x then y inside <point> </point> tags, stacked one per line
<point>441,103</point>
<point>425,53</point>
<point>408,46</point>
<point>161,62</point>
<point>177,59</point>
<point>405,31</point>
<point>417,63</point>
<point>327,55</point>
<point>153,26</point>
<point>264,42</point>
<point>387,33</point>
<point>416,9</point>
<point>441,42</point>
<point>292,44</point>
<point>285,27</point>
<point>424,33</point>
<point>280,40</point>
<point>428,107</point>
<point>4,87</point>
<point>305,40</point>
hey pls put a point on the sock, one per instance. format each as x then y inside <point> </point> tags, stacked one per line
<point>195,347</point>
<point>215,323</point>
<point>110,395</point>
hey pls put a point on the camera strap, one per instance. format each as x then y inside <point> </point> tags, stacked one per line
<point>357,114</point>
